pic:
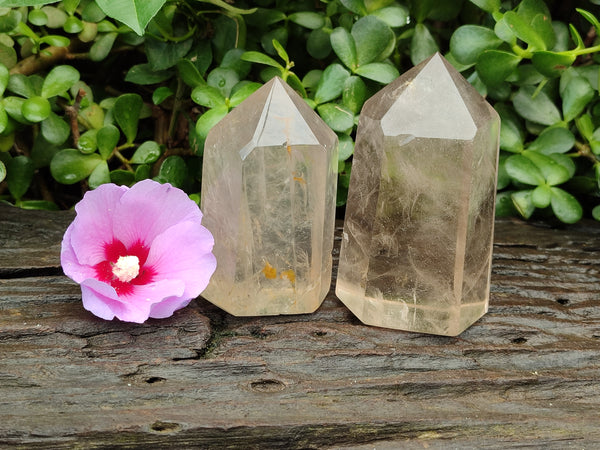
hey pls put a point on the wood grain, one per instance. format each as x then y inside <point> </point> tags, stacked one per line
<point>526,374</point>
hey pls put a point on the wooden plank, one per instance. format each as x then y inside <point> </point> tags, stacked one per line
<point>527,373</point>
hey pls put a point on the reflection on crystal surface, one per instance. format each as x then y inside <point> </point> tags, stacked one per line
<point>417,243</point>
<point>268,197</point>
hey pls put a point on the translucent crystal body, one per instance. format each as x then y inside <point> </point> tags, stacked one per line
<point>417,242</point>
<point>268,196</point>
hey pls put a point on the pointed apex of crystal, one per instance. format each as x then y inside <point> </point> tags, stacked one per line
<point>430,104</point>
<point>281,120</point>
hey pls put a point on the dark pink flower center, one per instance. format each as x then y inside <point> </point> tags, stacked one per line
<point>111,270</point>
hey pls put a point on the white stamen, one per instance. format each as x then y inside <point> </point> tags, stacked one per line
<point>126,268</point>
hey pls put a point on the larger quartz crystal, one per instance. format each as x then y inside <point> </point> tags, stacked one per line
<point>268,196</point>
<point>417,242</point>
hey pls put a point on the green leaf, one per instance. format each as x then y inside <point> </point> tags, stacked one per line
<point>87,142</point>
<point>308,19</point>
<point>595,211</point>
<point>189,73</point>
<point>10,20</point>
<point>3,120</point>
<point>504,205</point>
<point>336,116</point>
<point>134,13</point>
<point>565,206</point>
<point>552,172</point>
<point>173,170</point>
<point>523,203</point>
<point>142,172</point>
<point>524,170</point>
<point>147,153</point>
<point>503,176</point>
<point>524,31</point>
<point>164,55</point>
<point>512,134</point>
<point>160,94</point>
<point>122,177</point>
<point>21,85</point>
<point>318,44</point>
<point>233,60</point>
<point>209,119</point>
<point>565,162</point>
<point>331,83</point>
<point>107,139</point>
<point>144,74</point>
<point>372,37</point>
<point>223,80</point>
<point>70,166</point>
<point>354,94</point>
<point>13,106</point>
<point>208,96</point>
<point>59,80</point>
<point>232,9</point>
<point>393,16</point>
<point>542,24</point>
<point>102,47</point>
<point>73,25</point>
<point>2,171</point>
<point>344,47</point>
<point>55,130</point>
<point>356,6</point>
<point>381,72</point>
<point>261,58</point>
<point>494,66</point>
<point>4,78</point>
<point>36,109</point>
<point>19,175</point>
<point>539,109</point>
<point>541,195</point>
<point>552,64</point>
<point>100,175</point>
<point>278,34</point>
<point>590,18</point>
<point>576,95</point>
<point>346,147</point>
<point>469,41</point>
<point>553,140</point>
<point>241,94</point>
<point>490,6</point>
<point>280,51</point>
<point>423,44</point>
<point>126,112</point>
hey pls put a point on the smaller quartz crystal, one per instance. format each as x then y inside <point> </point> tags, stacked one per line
<point>268,196</point>
<point>417,243</point>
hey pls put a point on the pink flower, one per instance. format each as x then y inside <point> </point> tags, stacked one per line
<point>137,252</point>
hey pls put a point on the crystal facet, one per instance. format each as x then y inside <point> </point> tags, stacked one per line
<point>417,242</point>
<point>268,196</point>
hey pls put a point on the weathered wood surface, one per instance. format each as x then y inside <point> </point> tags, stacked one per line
<point>527,374</point>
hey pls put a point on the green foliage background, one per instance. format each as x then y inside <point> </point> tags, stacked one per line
<point>97,91</point>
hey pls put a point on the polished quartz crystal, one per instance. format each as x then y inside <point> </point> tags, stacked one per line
<point>268,196</point>
<point>417,242</point>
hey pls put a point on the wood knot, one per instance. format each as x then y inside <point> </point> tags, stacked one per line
<point>165,427</point>
<point>267,386</point>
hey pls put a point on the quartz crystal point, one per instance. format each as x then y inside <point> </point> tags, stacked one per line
<point>417,242</point>
<point>268,196</point>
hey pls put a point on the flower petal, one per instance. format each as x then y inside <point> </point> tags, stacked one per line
<point>93,226</point>
<point>167,307</point>
<point>148,209</point>
<point>183,253</point>
<point>68,260</point>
